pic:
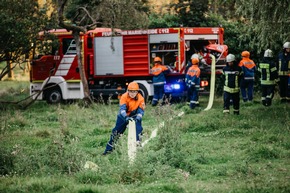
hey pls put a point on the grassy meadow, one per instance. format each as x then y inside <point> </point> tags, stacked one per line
<point>44,148</point>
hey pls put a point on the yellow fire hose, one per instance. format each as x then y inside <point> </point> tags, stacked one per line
<point>212,84</point>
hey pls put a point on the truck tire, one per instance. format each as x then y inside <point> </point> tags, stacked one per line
<point>53,95</point>
<point>143,91</point>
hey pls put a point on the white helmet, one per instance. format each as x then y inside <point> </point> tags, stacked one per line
<point>194,56</point>
<point>268,53</point>
<point>286,45</point>
<point>230,58</point>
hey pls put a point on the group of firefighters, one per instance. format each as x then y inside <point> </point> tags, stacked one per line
<point>240,78</point>
<point>237,78</point>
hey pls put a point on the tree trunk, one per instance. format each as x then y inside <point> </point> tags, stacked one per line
<point>10,70</point>
<point>76,35</point>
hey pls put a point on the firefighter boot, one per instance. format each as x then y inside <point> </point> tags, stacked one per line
<point>192,106</point>
<point>264,102</point>
<point>236,112</point>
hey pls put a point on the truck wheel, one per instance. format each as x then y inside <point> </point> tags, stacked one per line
<point>53,96</point>
<point>143,91</point>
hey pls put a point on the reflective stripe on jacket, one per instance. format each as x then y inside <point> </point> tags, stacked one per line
<point>232,78</point>
<point>249,68</point>
<point>159,72</point>
<point>193,76</point>
<point>268,72</point>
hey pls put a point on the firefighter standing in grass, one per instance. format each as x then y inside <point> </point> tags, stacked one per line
<point>247,83</point>
<point>269,76</point>
<point>284,72</point>
<point>132,107</point>
<point>193,82</point>
<point>232,75</point>
<point>189,64</point>
<point>159,71</point>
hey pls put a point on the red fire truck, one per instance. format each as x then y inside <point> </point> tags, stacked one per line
<point>112,61</point>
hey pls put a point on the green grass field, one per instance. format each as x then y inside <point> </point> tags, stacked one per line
<point>45,147</point>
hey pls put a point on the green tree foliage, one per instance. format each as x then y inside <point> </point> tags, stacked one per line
<point>268,23</point>
<point>249,25</point>
<point>82,15</point>
<point>231,32</point>
<point>163,21</point>
<point>20,22</point>
<point>123,14</point>
<point>74,10</point>
<point>224,8</point>
<point>191,12</point>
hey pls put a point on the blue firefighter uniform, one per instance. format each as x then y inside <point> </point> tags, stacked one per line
<point>247,83</point>
<point>193,83</point>
<point>284,71</point>
<point>158,71</point>
<point>129,108</point>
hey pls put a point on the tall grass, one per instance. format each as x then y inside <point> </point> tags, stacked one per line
<point>45,147</point>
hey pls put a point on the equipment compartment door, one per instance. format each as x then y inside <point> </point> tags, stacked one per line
<point>136,58</point>
<point>108,56</point>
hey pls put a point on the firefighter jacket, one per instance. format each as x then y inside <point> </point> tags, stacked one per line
<point>268,72</point>
<point>132,106</point>
<point>232,76</point>
<point>193,76</point>
<point>284,64</point>
<point>189,64</point>
<point>159,71</point>
<point>249,67</point>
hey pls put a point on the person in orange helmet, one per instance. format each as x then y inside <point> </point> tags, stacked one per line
<point>193,82</point>
<point>247,84</point>
<point>132,107</point>
<point>158,71</point>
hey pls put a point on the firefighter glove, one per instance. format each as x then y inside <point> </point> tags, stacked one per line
<point>129,119</point>
<point>133,113</point>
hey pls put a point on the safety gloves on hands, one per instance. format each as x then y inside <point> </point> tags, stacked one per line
<point>129,119</point>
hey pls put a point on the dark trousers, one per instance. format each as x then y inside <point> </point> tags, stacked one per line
<point>267,94</point>
<point>120,128</point>
<point>247,90</point>
<point>283,87</point>
<point>158,94</point>
<point>188,97</point>
<point>193,96</point>
<point>235,101</point>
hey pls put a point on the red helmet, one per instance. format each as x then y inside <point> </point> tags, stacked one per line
<point>194,61</point>
<point>246,54</point>
<point>133,86</point>
<point>157,59</point>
